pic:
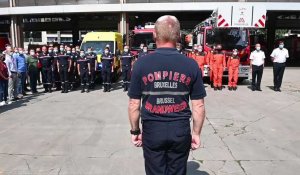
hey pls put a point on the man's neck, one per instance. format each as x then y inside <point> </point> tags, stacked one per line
<point>165,44</point>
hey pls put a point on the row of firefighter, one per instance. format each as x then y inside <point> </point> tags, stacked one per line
<point>62,68</point>
<point>217,62</point>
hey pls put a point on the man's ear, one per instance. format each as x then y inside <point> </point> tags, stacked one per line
<point>154,35</point>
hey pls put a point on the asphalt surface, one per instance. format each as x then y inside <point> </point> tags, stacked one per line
<point>252,133</point>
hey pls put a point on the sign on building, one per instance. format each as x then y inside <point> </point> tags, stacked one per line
<point>241,15</point>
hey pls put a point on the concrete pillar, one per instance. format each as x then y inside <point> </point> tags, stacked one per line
<point>124,25</point>
<point>16,31</point>
<point>58,37</point>
<point>271,29</point>
<point>75,30</point>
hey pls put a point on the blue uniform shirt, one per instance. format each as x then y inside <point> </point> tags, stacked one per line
<point>126,58</point>
<point>107,60</point>
<point>92,59</point>
<point>166,80</point>
<point>83,63</point>
<point>142,54</point>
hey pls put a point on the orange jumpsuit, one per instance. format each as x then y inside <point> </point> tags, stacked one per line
<point>191,54</point>
<point>200,58</point>
<point>219,63</point>
<point>210,63</point>
<point>233,70</point>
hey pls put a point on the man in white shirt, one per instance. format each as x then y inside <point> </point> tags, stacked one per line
<point>12,71</point>
<point>279,56</point>
<point>257,61</point>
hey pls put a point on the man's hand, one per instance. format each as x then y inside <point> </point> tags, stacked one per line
<point>137,140</point>
<point>195,142</point>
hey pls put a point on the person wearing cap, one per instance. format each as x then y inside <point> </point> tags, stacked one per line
<point>279,56</point>
<point>126,63</point>
<point>219,62</point>
<point>107,60</point>
<point>257,61</point>
<point>233,70</point>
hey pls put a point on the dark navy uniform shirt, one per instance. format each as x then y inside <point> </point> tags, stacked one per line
<point>107,60</point>
<point>83,63</point>
<point>126,58</point>
<point>142,54</point>
<point>92,58</point>
<point>166,80</point>
<point>46,60</point>
<point>63,60</point>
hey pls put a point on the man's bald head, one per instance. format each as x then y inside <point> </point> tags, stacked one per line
<point>167,29</point>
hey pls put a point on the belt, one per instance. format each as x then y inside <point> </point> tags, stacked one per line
<point>13,72</point>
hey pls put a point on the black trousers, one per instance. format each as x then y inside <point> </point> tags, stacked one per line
<point>47,78</point>
<point>72,76</point>
<point>56,78</point>
<point>106,75</point>
<point>84,77</point>
<point>126,73</point>
<point>278,71</point>
<point>93,75</point>
<point>33,76</point>
<point>64,78</point>
<point>257,72</point>
<point>166,147</point>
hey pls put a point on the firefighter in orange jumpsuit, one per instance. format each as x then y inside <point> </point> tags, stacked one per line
<point>193,52</point>
<point>210,66</point>
<point>233,70</point>
<point>200,57</point>
<point>219,64</point>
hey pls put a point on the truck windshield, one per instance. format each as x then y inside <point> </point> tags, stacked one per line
<point>98,46</point>
<point>146,38</point>
<point>233,38</point>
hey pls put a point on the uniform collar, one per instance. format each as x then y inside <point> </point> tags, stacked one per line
<point>167,50</point>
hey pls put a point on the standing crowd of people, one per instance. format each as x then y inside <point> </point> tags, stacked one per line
<point>217,63</point>
<point>60,68</point>
<point>65,68</point>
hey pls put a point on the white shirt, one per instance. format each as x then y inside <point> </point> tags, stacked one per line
<point>257,57</point>
<point>280,55</point>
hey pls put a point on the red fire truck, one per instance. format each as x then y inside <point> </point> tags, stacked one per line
<point>208,36</point>
<point>142,35</point>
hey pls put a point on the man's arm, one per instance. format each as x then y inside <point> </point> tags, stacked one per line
<point>198,114</point>
<point>134,113</point>
<point>134,119</point>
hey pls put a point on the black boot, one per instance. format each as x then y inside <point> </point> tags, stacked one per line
<point>66,87</point>
<point>82,88</point>
<point>108,87</point>
<point>63,88</point>
<point>105,88</point>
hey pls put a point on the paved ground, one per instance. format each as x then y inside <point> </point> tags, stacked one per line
<point>253,133</point>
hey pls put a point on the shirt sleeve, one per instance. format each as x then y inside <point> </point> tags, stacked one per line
<point>287,54</point>
<point>251,56</point>
<point>273,53</point>
<point>263,55</point>
<point>197,87</point>
<point>135,90</point>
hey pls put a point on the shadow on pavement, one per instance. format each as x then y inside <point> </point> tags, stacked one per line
<point>193,169</point>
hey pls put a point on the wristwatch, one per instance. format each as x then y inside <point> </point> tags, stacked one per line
<point>135,132</point>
